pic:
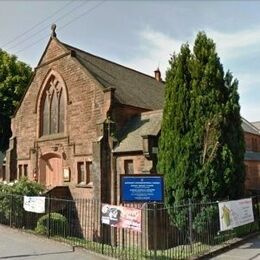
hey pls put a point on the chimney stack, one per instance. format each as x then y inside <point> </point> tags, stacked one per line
<point>157,75</point>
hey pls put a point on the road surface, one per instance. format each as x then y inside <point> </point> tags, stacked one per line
<point>250,250</point>
<point>15,244</point>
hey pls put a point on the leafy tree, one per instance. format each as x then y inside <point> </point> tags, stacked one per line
<point>22,187</point>
<point>14,77</point>
<point>11,196</point>
<point>201,147</point>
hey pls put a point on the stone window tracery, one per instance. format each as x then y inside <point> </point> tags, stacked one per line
<point>52,113</point>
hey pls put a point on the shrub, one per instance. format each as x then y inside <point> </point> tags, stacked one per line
<point>206,222</point>
<point>58,225</point>
<point>21,187</point>
<point>11,196</point>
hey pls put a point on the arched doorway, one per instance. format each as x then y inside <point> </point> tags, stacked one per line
<point>51,170</point>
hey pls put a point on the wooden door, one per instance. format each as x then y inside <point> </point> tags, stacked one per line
<point>51,171</point>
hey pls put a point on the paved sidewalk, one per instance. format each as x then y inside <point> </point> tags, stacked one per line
<point>15,244</point>
<point>250,250</point>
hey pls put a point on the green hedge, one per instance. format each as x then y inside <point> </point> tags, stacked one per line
<point>58,225</point>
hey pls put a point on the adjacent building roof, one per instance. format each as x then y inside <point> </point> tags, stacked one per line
<point>256,124</point>
<point>249,127</point>
<point>148,123</point>
<point>131,87</point>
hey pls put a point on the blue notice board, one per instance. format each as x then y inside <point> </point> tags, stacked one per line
<point>141,188</point>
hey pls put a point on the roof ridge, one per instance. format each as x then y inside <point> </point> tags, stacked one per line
<point>251,125</point>
<point>157,111</point>
<point>113,62</point>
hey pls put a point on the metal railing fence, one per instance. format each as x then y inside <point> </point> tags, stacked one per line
<point>179,232</point>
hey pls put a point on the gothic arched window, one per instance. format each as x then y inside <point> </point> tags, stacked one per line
<point>52,112</point>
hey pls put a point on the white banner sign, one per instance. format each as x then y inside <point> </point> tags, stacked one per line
<point>34,204</point>
<point>235,213</point>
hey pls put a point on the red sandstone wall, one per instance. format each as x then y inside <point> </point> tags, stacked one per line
<point>252,181</point>
<point>87,105</point>
<point>140,163</point>
<point>123,113</point>
<point>252,175</point>
<point>252,142</point>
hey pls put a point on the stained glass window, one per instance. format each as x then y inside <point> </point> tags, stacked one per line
<point>61,112</point>
<point>52,115</point>
<point>45,118</point>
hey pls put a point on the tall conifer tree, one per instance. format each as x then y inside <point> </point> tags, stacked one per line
<point>201,146</point>
<point>174,141</point>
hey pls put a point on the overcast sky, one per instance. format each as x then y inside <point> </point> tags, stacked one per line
<point>142,34</point>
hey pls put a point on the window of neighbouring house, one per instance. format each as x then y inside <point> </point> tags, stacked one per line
<point>254,144</point>
<point>83,172</point>
<point>248,144</point>
<point>129,166</point>
<point>52,108</point>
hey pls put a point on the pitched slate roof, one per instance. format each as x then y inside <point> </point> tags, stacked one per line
<point>249,127</point>
<point>148,123</point>
<point>132,87</point>
<point>256,124</point>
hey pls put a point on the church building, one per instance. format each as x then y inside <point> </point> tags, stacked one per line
<point>85,120</point>
<point>68,122</point>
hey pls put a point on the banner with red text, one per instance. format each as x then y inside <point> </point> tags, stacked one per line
<point>121,217</point>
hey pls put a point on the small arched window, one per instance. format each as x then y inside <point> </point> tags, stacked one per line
<point>52,112</point>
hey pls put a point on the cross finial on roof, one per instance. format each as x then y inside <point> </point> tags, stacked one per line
<point>53,28</point>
